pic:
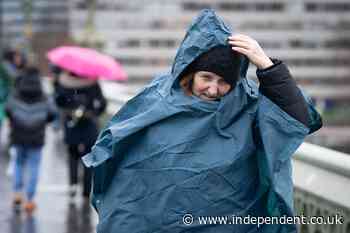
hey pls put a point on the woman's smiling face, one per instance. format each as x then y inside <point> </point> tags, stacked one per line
<point>209,86</point>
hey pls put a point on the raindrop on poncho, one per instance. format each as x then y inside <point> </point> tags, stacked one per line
<point>166,154</point>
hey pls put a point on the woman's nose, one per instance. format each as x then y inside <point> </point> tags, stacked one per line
<point>213,90</point>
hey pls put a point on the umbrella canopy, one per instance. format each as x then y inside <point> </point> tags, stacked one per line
<point>87,63</point>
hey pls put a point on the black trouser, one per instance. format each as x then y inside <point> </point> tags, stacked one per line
<point>75,154</point>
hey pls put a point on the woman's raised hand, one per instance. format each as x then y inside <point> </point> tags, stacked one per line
<point>250,48</point>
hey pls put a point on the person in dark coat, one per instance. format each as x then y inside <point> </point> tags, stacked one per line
<point>28,111</point>
<point>82,102</point>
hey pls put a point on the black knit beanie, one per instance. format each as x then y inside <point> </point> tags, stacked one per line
<point>221,60</point>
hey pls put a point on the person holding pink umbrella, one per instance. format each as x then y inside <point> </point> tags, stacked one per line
<point>79,96</point>
<point>82,102</point>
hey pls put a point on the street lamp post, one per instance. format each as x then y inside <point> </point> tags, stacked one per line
<point>90,37</point>
<point>27,44</point>
<point>27,6</point>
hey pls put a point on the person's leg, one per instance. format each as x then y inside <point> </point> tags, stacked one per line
<point>18,174</point>
<point>83,150</point>
<point>34,158</point>
<point>87,182</point>
<point>73,161</point>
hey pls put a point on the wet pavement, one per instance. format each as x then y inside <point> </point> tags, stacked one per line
<point>55,213</point>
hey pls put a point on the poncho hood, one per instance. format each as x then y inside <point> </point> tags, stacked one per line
<point>205,32</point>
<point>166,154</point>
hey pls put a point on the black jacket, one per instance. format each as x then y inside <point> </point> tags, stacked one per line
<point>29,110</point>
<point>81,107</point>
<point>277,84</point>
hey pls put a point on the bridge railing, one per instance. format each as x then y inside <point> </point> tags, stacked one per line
<point>322,187</point>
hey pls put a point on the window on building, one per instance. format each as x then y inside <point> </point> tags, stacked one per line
<point>327,6</point>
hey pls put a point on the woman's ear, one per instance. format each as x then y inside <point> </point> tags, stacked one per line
<point>186,83</point>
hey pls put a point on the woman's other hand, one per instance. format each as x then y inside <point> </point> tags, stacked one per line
<point>250,48</point>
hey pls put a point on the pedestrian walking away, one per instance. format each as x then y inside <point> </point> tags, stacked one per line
<point>12,65</point>
<point>28,111</point>
<point>203,140</point>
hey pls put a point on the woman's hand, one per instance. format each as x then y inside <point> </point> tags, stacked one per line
<point>251,48</point>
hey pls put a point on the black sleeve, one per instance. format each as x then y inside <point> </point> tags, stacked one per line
<point>59,96</point>
<point>64,97</point>
<point>99,101</point>
<point>8,114</point>
<point>52,115</point>
<point>7,108</point>
<point>277,84</point>
<point>50,118</point>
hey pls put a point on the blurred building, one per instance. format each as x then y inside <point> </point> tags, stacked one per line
<point>311,36</point>
<point>45,22</point>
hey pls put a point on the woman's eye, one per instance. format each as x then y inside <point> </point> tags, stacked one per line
<point>206,78</point>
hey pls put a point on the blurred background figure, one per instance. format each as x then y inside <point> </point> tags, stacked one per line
<point>82,102</point>
<point>11,66</point>
<point>29,112</point>
<point>5,85</point>
<point>14,62</point>
<point>54,75</point>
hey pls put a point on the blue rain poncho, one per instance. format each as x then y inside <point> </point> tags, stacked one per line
<point>166,154</point>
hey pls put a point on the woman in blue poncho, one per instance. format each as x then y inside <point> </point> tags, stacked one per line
<point>203,140</point>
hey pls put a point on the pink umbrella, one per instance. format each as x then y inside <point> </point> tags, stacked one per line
<point>87,63</point>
